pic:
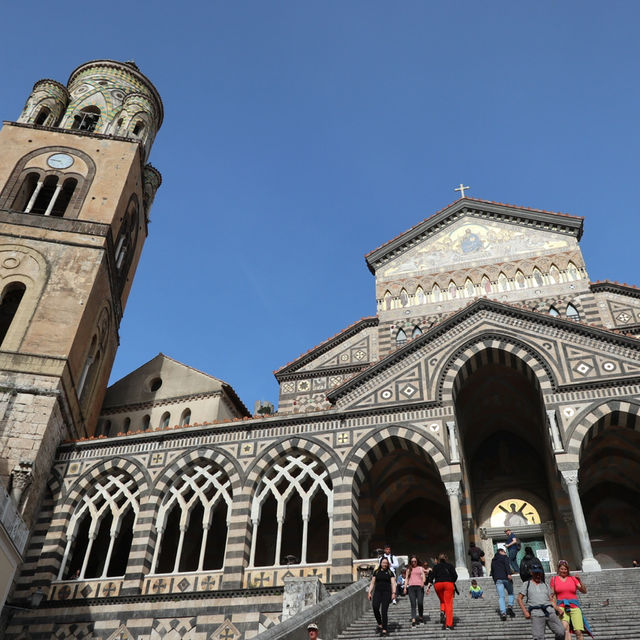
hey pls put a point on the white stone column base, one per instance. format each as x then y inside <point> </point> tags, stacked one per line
<point>463,573</point>
<point>590,564</point>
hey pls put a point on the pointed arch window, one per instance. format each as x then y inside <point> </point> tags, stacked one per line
<point>401,338</point>
<point>469,288</point>
<point>404,298</point>
<point>9,303</point>
<point>387,300</point>
<point>503,282</point>
<point>100,531</point>
<point>486,285</point>
<point>553,311</point>
<point>185,418</point>
<point>292,513</point>
<point>453,290</point>
<point>520,280</point>
<point>193,522</point>
<point>537,277</point>
<point>417,331</point>
<point>572,272</point>
<point>572,312</point>
<point>86,119</point>
<point>435,293</point>
<point>420,298</point>
<point>554,274</point>
<point>138,128</point>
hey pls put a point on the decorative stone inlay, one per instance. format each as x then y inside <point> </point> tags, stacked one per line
<point>409,390</point>
<point>582,368</point>
<point>623,317</point>
<point>609,366</point>
<point>435,427</point>
<point>568,411</point>
<point>183,584</point>
<point>386,394</point>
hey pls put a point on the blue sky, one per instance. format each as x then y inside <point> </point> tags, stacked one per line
<point>300,135</point>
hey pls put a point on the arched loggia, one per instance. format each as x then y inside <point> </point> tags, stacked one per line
<point>609,485</point>
<point>502,427</point>
<point>401,500</point>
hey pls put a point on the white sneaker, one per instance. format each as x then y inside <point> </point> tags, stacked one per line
<point>394,601</point>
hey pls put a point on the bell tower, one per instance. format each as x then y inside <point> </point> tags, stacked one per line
<point>75,195</point>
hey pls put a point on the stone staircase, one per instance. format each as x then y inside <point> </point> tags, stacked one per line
<point>479,619</point>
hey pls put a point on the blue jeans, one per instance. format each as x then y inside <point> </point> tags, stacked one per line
<point>501,585</point>
<point>513,552</point>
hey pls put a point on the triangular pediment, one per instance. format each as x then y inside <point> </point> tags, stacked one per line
<point>473,232</point>
<point>351,347</point>
<point>570,354</point>
<point>163,378</point>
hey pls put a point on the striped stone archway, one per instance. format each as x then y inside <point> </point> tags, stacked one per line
<point>146,534</point>
<point>595,421</point>
<point>371,448</point>
<point>499,349</point>
<point>241,529</point>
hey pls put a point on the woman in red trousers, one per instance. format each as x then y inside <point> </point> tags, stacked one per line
<point>444,578</point>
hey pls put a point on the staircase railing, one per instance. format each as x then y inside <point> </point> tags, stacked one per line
<point>332,615</point>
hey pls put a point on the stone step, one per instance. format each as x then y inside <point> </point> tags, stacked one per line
<point>479,620</point>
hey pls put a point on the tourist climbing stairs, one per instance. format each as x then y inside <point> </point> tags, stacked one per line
<point>612,606</point>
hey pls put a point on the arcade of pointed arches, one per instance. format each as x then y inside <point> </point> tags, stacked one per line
<point>476,284</point>
<point>103,508</point>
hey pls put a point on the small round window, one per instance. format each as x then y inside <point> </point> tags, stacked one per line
<point>155,384</point>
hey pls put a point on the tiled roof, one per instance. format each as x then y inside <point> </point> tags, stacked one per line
<point>328,343</point>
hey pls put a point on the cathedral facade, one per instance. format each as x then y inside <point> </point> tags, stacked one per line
<point>495,387</point>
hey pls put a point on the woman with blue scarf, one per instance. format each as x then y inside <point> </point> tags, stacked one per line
<point>564,589</point>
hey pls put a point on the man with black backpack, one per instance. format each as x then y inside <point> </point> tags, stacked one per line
<point>540,608</point>
<point>476,554</point>
<point>529,559</point>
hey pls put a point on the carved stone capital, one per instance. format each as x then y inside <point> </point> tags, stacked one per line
<point>483,533</point>
<point>547,527</point>
<point>21,478</point>
<point>452,488</point>
<point>570,477</point>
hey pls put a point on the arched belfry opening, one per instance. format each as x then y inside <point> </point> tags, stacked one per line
<point>502,427</point>
<point>402,501</point>
<point>609,485</point>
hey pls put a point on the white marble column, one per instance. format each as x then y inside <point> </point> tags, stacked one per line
<point>453,491</point>
<point>453,442</point>
<point>555,432</point>
<point>589,563</point>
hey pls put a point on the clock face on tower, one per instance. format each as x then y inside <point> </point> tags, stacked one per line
<point>60,161</point>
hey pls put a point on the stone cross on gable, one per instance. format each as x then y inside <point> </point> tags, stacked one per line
<point>461,189</point>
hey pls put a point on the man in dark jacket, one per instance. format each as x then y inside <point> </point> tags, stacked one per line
<point>476,554</point>
<point>501,573</point>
